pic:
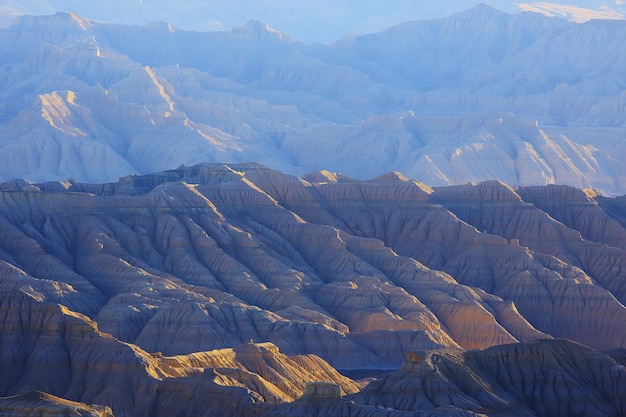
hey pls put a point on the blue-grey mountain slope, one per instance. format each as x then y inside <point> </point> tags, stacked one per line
<point>481,95</point>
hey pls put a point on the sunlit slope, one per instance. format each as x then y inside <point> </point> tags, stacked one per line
<point>546,378</point>
<point>481,95</point>
<point>229,287</point>
<point>48,348</point>
<point>357,272</point>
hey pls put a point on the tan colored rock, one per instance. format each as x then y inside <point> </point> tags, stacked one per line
<point>175,261</point>
<point>196,262</point>
<point>50,348</point>
<point>571,263</point>
<point>40,404</point>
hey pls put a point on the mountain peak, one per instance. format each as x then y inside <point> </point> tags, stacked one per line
<point>58,19</point>
<point>83,23</point>
<point>255,29</point>
<point>481,10</point>
<point>161,26</point>
<point>391,176</point>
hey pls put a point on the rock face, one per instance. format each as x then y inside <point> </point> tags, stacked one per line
<point>549,378</point>
<point>544,378</point>
<point>518,98</point>
<point>46,405</point>
<point>215,279</point>
<point>324,390</point>
<point>47,347</point>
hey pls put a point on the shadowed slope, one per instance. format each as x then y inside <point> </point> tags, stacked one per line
<point>46,347</point>
<point>480,95</point>
<point>543,379</point>
<point>188,264</point>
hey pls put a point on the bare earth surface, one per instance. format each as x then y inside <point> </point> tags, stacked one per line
<point>226,289</point>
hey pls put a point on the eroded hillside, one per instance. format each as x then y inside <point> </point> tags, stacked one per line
<point>237,276</point>
<point>480,95</point>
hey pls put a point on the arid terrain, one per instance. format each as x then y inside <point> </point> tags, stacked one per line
<point>427,220</point>
<point>480,95</point>
<point>225,289</point>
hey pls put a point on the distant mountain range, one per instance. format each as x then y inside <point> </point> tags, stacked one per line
<point>307,20</point>
<point>480,95</point>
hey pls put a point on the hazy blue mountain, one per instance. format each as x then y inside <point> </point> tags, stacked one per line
<point>306,20</point>
<point>480,95</point>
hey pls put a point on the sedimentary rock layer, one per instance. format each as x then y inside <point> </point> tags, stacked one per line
<point>550,378</point>
<point>240,279</point>
<point>524,98</point>
<point>36,403</point>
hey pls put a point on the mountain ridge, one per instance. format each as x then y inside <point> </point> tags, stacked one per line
<point>235,285</point>
<point>89,101</point>
<point>307,22</point>
<point>357,218</point>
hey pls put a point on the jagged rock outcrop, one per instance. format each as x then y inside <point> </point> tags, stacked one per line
<point>546,378</point>
<point>163,280</point>
<point>47,347</point>
<point>567,246</point>
<point>174,262</point>
<point>46,405</point>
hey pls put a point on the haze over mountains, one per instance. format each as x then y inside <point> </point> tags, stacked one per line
<point>236,238</point>
<point>480,95</point>
<point>308,21</point>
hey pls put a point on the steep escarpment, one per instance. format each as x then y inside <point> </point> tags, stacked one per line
<point>240,278</point>
<point>47,347</point>
<point>543,378</point>
<point>46,405</point>
<point>546,378</point>
<point>580,242</point>
<point>499,262</point>
<point>174,262</point>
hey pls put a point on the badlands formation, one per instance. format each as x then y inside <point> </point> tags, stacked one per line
<point>155,283</point>
<point>480,95</point>
<point>237,290</point>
